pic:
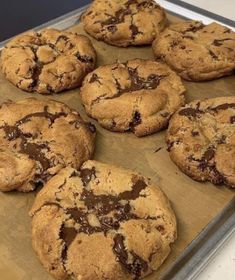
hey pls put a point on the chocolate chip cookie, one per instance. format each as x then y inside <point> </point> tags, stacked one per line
<point>124,22</point>
<point>201,140</point>
<point>196,51</point>
<point>138,96</point>
<point>102,222</point>
<point>38,138</point>
<point>48,61</point>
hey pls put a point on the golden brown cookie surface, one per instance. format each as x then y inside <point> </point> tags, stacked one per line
<point>47,61</point>
<point>124,22</point>
<point>201,140</point>
<point>196,51</point>
<point>102,222</point>
<point>38,138</point>
<point>139,96</point>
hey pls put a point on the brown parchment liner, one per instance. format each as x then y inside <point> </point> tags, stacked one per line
<point>195,204</point>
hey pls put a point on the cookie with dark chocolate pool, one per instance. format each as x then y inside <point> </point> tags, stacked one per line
<point>138,96</point>
<point>102,222</point>
<point>124,22</point>
<point>48,61</point>
<point>38,138</point>
<point>201,140</point>
<point>196,51</point>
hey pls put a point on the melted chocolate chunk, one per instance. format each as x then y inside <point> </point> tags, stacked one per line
<point>137,266</point>
<point>94,78</point>
<point>134,30</point>
<point>117,18</point>
<point>135,192</point>
<point>135,121</point>
<point>232,119</point>
<point>84,58</point>
<point>139,83</point>
<point>33,150</point>
<point>101,206</point>
<point>194,28</point>
<point>224,106</point>
<point>87,174</point>
<point>12,132</point>
<point>195,133</point>
<point>44,114</point>
<point>189,112</point>
<point>67,235</point>
<point>209,154</point>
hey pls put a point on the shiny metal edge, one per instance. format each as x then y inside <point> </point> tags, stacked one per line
<point>203,248</point>
<point>194,258</point>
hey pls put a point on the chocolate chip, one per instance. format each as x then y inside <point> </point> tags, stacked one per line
<point>189,112</point>
<point>195,133</point>
<point>33,150</point>
<point>67,235</point>
<point>213,55</point>
<point>94,78</point>
<point>134,30</point>
<point>224,106</point>
<point>135,121</point>
<point>87,174</point>
<point>136,266</point>
<point>209,154</point>
<point>84,58</point>
<point>194,28</point>
<point>161,229</point>
<point>232,119</point>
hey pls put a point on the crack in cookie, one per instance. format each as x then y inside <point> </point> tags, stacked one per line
<point>117,96</point>
<point>201,140</point>
<point>48,61</point>
<point>122,23</point>
<point>32,129</point>
<point>196,51</point>
<point>98,210</point>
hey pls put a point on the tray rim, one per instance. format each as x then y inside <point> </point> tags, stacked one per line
<point>201,250</point>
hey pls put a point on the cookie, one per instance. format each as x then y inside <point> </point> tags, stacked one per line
<point>38,138</point>
<point>124,22</point>
<point>201,140</point>
<point>196,51</point>
<point>102,222</point>
<point>47,61</point>
<point>138,96</point>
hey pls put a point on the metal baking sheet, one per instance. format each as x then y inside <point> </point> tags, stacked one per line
<point>206,213</point>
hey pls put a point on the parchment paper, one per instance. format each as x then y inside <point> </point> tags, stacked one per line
<point>195,204</point>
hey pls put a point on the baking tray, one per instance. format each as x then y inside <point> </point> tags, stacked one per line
<point>206,213</point>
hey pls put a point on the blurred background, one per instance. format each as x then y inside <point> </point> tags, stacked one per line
<point>20,15</point>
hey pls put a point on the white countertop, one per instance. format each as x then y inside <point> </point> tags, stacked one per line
<point>222,265</point>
